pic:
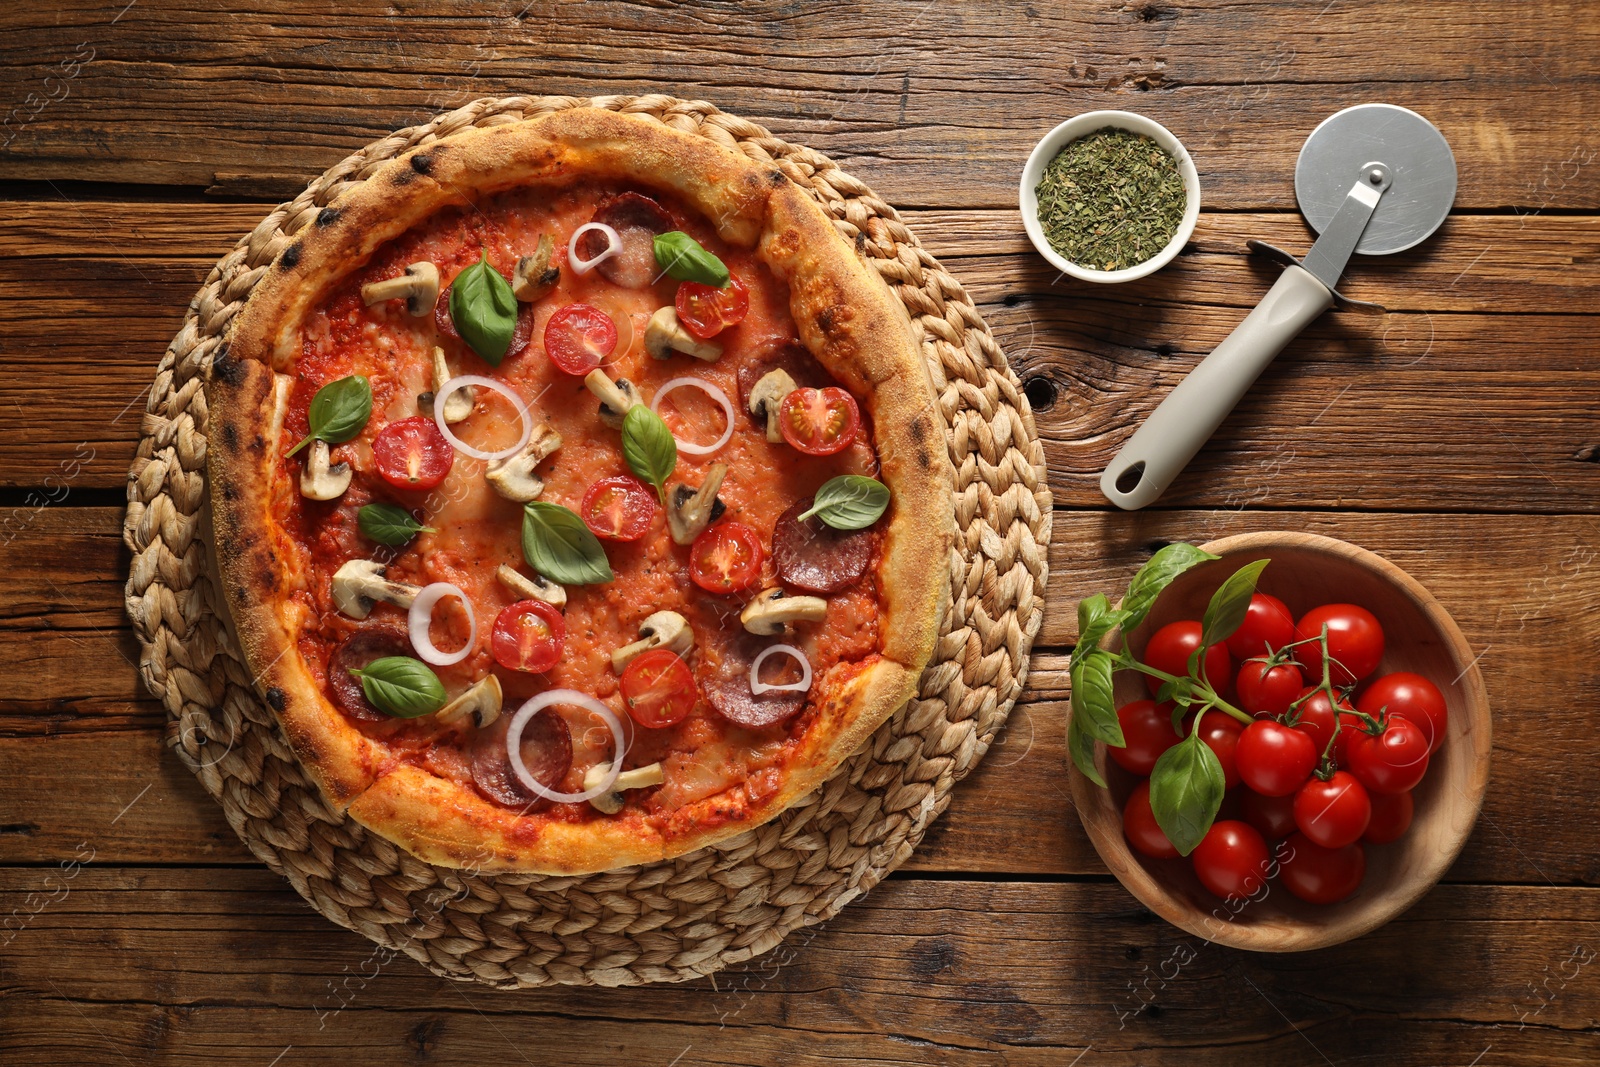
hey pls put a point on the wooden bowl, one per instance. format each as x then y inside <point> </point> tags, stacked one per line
<point>1307,570</point>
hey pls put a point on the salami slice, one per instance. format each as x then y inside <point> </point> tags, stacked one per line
<point>521,333</point>
<point>728,689</point>
<point>637,220</point>
<point>358,650</point>
<point>546,751</point>
<point>789,355</point>
<point>812,556</point>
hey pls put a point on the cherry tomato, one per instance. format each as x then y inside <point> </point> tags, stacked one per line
<point>706,311</point>
<point>1170,647</point>
<point>1317,718</point>
<point>658,688</point>
<point>1335,812</point>
<point>1410,696</point>
<point>579,337</point>
<point>618,508</point>
<point>1232,859</point>
<point>1393,761</point>
<point>1147,729</point>
<point>528,636</point>
<point>412,453</point>
<point>1220,732</point>
<point>1141,829</point>
<point>1391,817</point>
<point>1265,690</point>
<point>1267,627</point>
<point>726,558</point>
<point>1273,816</point>
<point>819,422</point>
<point>1355,641</point>
<point>1273,759</point>
<point>1320,875</point>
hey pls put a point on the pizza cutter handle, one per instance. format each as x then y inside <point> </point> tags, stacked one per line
<point>1191,413</point>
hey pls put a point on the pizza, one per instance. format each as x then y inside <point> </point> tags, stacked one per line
<point>579,497</point>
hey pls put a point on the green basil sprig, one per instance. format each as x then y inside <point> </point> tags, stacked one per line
<point>649,448</point>
<point>484,310</point>
<point>389,524</point>
<point>338,412</point>
<point>849,502</point>
<point>683,258</point>
<point>557,544</point>
<point>401,686</point>
<point>1186,787</point>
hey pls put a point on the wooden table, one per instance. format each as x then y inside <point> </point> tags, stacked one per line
<point>1455,434</point>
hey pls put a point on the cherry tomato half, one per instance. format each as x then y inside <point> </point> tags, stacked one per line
<point>1170,647</point>
<point>1232,859</point>
<point>579,337</point>
<point>1317,719</point>
<point>1391,817</point>
<point>1267,627</point>
<point>618,508</point>
<point>1147,729</point>
<point>706,311</point>
<point>528,636</point>
<point>1355,641</point>
<point>726,558</point>
<point>1265,690</point>
<point>1410,696</point>
<point>1273,816</point>
<point>1141,829</point>
<point>1320,875</point>
<point>1273,759</point>
<point>819,422</point>
<point>658,688</point>
<point>1333,813</point>
<point>412,453</point>
<point>1393,761</point>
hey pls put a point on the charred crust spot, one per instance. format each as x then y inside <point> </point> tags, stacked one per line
<point>258,444</point>
<point>290,258</point>
<point>230,437</point>
<point>923,459</point>
<point>422,163</point>
<point>402,177</point>
<point>777,179</point>
<point>229,493</point>
<point>277,698</point>
<point>919,430</point>
<point>327,216</point>
<point>225,367</point>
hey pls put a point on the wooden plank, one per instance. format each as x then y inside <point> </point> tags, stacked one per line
<point>935,108</point>
<point>205,966</point>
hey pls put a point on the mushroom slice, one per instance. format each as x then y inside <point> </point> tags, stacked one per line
<point>482,702</point>
<point>615,397</point>
<point>767,395</point>
<point>418,287</point>
<point>513,477</point>
<point>536,588</point>
<point>360,582</point>
<point>774,612</point>
<point>664,629</point>
<point>610,802</point>
<point>459,406</point>
<point>690,511</point>
<point>320,479</point>
<point>534,276</point>
<point>666,335</point>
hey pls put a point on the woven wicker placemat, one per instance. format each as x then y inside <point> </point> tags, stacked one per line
<point>668,921</point>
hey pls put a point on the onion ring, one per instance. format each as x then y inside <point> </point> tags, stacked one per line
<point>581,267</point>
<point>461,381</point>
<point>420,618</point>
<point>758,687</point>
<point>537,704</point>
<point>715,393</point>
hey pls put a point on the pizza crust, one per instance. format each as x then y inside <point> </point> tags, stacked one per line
<point>846,317</point>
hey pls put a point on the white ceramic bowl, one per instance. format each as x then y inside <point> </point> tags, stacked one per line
<point>1090,121</point>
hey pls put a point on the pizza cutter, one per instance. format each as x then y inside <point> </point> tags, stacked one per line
<point>1374,179</point>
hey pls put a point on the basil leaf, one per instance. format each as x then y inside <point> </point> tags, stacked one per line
<point>1186,787</point>
<point>401,686</point>
<point>389,524</point>
<point>558,545</point>
<point>849,502</point>
<point>682,257</point>
<point>1155,576</point>
<point>649,448</point>
<point>338,412</point>
<point>1096,618</point>
<point>1092,702</point>
<point>484,310</point>
<point>1229,603</point>
<point>1081,746</point>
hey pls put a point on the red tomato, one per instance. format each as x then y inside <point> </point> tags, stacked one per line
<point>726,558</point>
<point>1320,875</point>
<point>1355,641</point>
<point>1391,817</point>
<point>1170,647</point>
<point>1273,759</point>
<point>1232,859</point>
<point>1267,627</point>
<point>658,688</point>
<point>412,453</point>
<point>1140,827</point>
<point>819,422</point>
<point>1317,719</point>
<point>1393,761</point>
<point>1265,690</point>
<point>1220,732</point>
<point>1273,816</point>
<point>706,311</point>
<point>618,508</point>
<point>1147,729</point>
<point>528,636</point>
<point>1410,696</point>
<point>1335,812</point>
<point>579,337</point>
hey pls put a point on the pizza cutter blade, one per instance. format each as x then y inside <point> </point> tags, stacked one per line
<point>1373,179</point>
